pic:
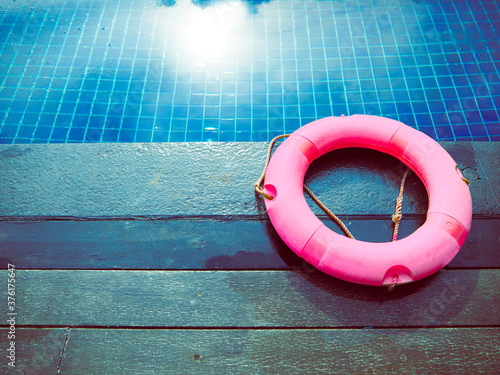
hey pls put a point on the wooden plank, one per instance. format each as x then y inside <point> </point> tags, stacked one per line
<point>251,299</point>
<point>37,351</point>
<point>488,159</point>
<point>211,179</point>
<point>310,351</point>
<point>193,243</point>
<point>44,180</point>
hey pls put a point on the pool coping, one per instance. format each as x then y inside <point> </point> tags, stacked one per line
<point>120,180</point>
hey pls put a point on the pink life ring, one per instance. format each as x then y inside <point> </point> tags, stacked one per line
<point>424,252</point>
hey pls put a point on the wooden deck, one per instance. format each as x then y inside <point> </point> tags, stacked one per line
<point>160,259</point>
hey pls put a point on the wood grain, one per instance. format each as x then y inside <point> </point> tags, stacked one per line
<point>102,180</point>
<point>38,351</point>
<point>199,243</point>
<point>302,298</point>
<point>288,351</point>
<point>165,262</point>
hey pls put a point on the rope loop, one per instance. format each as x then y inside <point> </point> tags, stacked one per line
<point>260,190</point>
<point>257,185</point>
<point>396,217</point>
<point>395,279</point>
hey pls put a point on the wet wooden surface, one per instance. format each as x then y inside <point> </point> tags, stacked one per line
<point>206,243</point>
<point>301,298</point>
<point>118,274</point>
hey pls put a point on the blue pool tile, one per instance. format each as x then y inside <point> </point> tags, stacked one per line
<point>112,122</point>
<point>355,109</point>
<point>388,108</point>
<point>404,107</point>
<point>227,125</point>
<point>80,121</point>
<point>194,136</point>
<point>465,92</point>
<point>423,120</point>
<point>308,110</point>
<point>478,130</point>
<point>473,116</point>
<point>461,131</point>
<point>59,134</point>
<point>195,125</point>
<point>494,130</point>
<point>96,121</point>
<point>485,103</point>
<point>430,131</point>
<point>445,132</point>
<point>489,115</point>
<point>143,136</point>
<point>76,134</point>
<point>110,135</point>
<point>128,122</point>
<point>146,123</point>
<point>243,137</point>
<point>414,63</point>
<point>213,136</point>
<point>30,118</point>
<point>452,104</point>
<point>457,117</point>
<point>496,100</point>
<point>9,131</point>
<point>126,135</point>
<point>179,125</point>
<point>227,136</point>
<point>408,119</point>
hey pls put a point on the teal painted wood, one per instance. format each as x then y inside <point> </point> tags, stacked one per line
<point>215,221</point>
<point>38,351</point>
<point>288,351</point>
<point>484,165</point>
<point>199,243</point>
<point>43,179</point>
<point>103,180</point>
<point>251,299</point>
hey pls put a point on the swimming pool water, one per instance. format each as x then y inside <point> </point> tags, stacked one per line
<point>166,70</point>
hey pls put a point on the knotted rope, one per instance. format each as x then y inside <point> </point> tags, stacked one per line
<point>396,217</point>
<point>258,183</point>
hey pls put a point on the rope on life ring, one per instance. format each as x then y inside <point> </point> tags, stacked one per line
<point>396,217</point>
<point>424,252</point>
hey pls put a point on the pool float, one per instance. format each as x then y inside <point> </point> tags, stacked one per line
<point>421,254</point>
